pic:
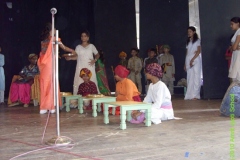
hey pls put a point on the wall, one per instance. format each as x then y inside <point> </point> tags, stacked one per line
<point>111,24</point>
<point>165,22</point>
<point>215,38</point>
<point>115,31</point>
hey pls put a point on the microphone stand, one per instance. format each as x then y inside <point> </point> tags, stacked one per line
<point>56,140</point>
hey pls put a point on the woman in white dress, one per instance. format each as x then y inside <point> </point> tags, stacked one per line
<point>193,65</point>
<point>85,59</point>
<point>230,104</point>
<point>234,70</point>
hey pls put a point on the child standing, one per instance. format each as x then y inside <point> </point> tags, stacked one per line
<point>87,87</point>
<point>123,60</point>
<point>144,61</point>
<point>159,52</point>
<point>2,77</point>
<point>151,59</point>
<point>135,66</point>
<point>158,95</point>
<point>168,66</point>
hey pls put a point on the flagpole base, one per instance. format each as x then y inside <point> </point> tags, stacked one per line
<point>58,141</point>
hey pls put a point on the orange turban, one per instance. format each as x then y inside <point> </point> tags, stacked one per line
<point>85,71</point>
<point>121,71</point>
<point>122,54</point>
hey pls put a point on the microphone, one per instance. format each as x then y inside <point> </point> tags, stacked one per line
<point>53,10</point>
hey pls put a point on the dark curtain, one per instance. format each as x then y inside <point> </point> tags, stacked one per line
<point>21,27</point>
<point>115,31</point>
<point>165,22</point>
<point>215,39</point>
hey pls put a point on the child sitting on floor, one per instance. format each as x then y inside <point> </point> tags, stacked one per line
<point>126,90</point>
<point>87,87</point>
<point>158,95</point>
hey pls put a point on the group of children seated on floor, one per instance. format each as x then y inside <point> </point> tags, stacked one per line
<point>158,93</point>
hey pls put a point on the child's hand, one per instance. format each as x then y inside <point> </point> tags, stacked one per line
<point>136,72</point>
<point>173,75</point>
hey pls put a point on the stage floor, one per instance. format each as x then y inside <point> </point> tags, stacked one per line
<point>201,134</point>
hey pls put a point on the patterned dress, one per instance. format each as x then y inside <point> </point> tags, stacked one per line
<point>84,89</point>
<point>87,88</point>
<point>21,88</point>
<point>102,78</point>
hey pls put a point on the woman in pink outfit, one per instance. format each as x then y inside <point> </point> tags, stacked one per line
<point>20,90</point>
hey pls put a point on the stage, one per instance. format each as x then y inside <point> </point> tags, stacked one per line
<point>201,134</point>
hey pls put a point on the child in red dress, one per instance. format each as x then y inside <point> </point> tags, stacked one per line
<point>87,87</point>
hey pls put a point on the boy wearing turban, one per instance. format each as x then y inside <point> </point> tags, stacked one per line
<point>168,66</point>
<point>123,60</point>
<point>126,90</point>
<point>158,95</point>
<point>87,87</point>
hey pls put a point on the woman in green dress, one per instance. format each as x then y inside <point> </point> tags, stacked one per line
<point>101,75</point>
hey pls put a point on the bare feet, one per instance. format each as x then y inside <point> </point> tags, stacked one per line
<point>195,99</point>
<point>14,104</point>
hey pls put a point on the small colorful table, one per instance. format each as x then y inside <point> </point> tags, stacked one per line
<point>128,106</point>
<point>96,101</point>
<point>71,97</point>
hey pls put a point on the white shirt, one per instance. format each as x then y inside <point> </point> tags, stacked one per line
<point>158,94</point>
